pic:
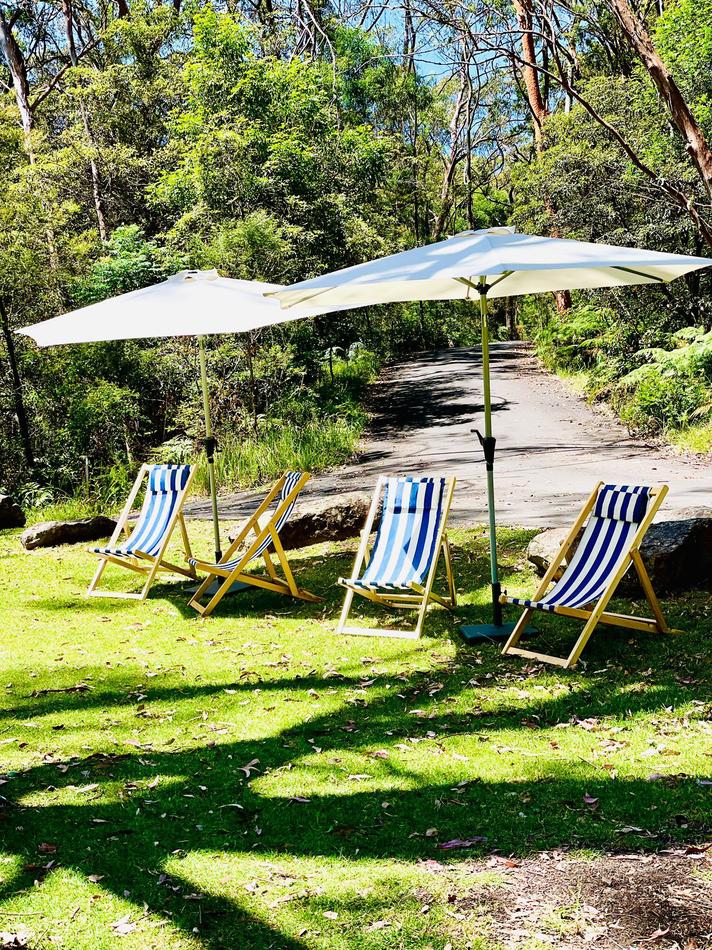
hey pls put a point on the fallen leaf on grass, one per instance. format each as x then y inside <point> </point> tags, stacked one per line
<point>331,915</point>
<point>18,939</point>
<point>379,925</point>
<point>590,801</point>
<point>46,848</point>
<point>79,688</point>
<point>462,843</point>
<point>250,767</point>
<point>657,935</point>
<point>123,926</point>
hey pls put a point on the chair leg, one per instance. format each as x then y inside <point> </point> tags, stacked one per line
<point>155,567</point>
<point>345,610</point>
<point>590,625</point>
<point>194,601</point>
<point>450,574</point>
<point>217,596</point>
<point>650,594</point>
<point>101,567</point>
<point>519,629</point>
<point>190,570</point>
<point>294,588</point>
<point>422,610</point>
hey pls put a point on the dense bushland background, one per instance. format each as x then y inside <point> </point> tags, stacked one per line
<point>277,141</point>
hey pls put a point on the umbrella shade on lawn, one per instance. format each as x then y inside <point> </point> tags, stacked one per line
<point>195,303</point>
<point>482,265</point>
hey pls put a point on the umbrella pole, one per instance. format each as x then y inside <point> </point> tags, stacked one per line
<point>488,446</point>
<point>497,630</point>
<point>210,445</point>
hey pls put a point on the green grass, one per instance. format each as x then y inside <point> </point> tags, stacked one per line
<point>696,439</point>
<point>251,780</point>
<point>312,447</point>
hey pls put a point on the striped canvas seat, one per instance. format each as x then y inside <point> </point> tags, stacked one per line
<point>614,521</point>
<point>257,537</point>
<point>407,536</point>
<point>400,571</point>
<point>165,485</point>
<point>290,481</point>
<point>143,550</point>
<point>618,511</point>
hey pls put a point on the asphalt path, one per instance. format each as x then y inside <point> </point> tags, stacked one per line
<point>552,446</point>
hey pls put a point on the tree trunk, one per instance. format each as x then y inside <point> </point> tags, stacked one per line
<point>18,71</point>
<point>21,87</point>
<point>94,169</point>
<point>16,387</point>
<point>539,110</point>
<point>682,118</point>
<point>452,160</point>
<point>537,105</point>
<point>123,9</point>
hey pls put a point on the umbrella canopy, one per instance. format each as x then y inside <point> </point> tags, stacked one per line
<point>191,303</point>
<point>495,262</point>
<point>512,264</point>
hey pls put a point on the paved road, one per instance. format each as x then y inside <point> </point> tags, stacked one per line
<point>551,446</point>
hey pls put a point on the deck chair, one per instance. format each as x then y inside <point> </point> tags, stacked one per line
<point>616,518</point>
<point>401,568</point>
<point>143,550</point>
<point>265,527</point>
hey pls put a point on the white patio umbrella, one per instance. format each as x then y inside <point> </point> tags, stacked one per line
<point>191,303</point>
<point>491,263</point>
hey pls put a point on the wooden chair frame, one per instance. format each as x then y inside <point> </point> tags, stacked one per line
<point>138,562</point>
<point>598,613</point>
<point>421,596</point>
<point>261,530</point>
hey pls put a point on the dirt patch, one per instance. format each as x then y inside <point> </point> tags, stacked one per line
<point>619,901</point>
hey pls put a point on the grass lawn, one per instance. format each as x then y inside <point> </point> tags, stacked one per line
<point>253,781</point>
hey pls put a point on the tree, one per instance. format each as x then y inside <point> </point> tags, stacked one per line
<point>637,35</point>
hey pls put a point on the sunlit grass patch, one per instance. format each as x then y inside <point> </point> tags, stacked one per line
<point>240,780</point>
<point>695,438</point>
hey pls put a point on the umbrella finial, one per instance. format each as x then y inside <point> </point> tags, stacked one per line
<point>197,275</point>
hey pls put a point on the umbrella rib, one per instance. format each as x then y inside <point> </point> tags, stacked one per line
<point>478,287</point>
<point>639,273</point>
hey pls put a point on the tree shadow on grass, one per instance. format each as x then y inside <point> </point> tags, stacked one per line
<point>133,828</point>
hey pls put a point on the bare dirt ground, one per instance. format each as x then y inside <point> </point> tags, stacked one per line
<point>552,446</point>
<point>626,901</point>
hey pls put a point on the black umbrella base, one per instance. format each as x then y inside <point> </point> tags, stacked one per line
<point>491,631</point>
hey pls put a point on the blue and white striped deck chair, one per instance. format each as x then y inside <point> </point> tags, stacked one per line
<point>265,526</point>
<point>400,570</point>
<point>616,518</point>
<point>143,549</point>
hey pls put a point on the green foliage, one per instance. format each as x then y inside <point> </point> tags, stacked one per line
<point>672,389</point>
<point>208,146</point>
<point>654,390</point>
<point>248,461</point>
<point>130,262</point>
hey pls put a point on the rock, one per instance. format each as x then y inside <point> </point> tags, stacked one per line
<point>50,534</point>
<point>324,519</point>
<point>11,515</point>
<point>544,547</point>
<point>677,552</point>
